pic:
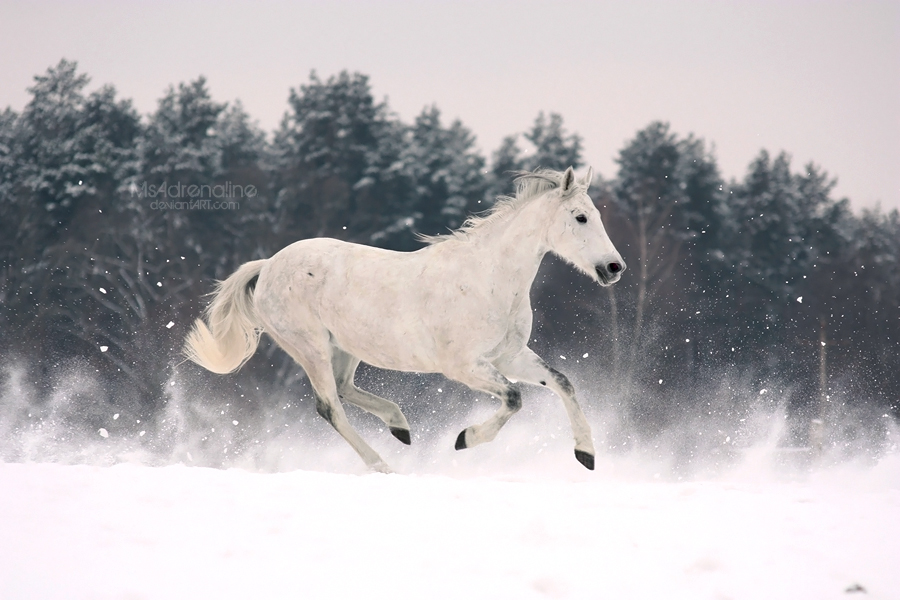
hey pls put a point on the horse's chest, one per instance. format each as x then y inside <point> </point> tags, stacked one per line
<point>502,319</point>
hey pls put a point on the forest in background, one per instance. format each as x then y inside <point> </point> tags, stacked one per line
<point>114,226</point>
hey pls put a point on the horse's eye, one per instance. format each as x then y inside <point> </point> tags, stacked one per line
<point>581,219</point>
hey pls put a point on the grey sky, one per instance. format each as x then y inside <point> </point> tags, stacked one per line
<point>818,79</point>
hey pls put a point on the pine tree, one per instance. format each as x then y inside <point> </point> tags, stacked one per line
<point>9,223</point>
<point>196,149</point>
<point>333,145</point>
<point>647,194</point>
<point>787,223</point>
<point>550,146</point>
<point>554,148</point>
<point>445,178</point>
<point>63,158</point>
<point>669,200</point>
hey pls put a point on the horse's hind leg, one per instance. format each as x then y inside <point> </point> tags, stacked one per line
<point>316,360</point>
<point>530,368</point>
<point>344,366</point>
<point>484,377</point>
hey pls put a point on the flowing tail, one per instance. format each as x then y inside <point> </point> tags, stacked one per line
<point>233,332</point>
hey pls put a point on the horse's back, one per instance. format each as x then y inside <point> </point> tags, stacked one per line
<point>365,298</point>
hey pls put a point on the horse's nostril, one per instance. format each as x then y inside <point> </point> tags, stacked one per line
<point>614,267</point>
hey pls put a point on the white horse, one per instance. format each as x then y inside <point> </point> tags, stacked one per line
<point>459,306</point>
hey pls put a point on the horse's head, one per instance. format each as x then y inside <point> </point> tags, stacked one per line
<point>576,232</point>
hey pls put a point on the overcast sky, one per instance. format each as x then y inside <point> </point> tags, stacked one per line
<point>820,80</point>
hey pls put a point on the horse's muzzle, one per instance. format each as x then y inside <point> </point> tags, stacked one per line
<point>610,273</point>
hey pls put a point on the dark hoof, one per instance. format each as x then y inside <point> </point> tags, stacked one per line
<point>586,459</point>
<point>401,434</point>
<point>461,440</point>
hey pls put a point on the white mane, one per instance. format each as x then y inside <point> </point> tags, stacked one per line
<point>529,185</point>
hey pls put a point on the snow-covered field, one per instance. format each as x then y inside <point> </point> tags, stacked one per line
<point>107,506</point>
<point>130,531</point>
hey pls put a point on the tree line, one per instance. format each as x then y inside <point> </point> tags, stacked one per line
<point>114,225</point>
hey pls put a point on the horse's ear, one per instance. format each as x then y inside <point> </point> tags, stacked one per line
<point>568,180</point>
<point>588,178</point>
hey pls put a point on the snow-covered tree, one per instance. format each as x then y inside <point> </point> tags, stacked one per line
<point>666,191</point>
<point>349,168</point>
<point>789,230</point>
<point>554,147</point>
<point>330,145</point>
<point>548,145</point>
<point>444,178</point>
<point>87,262</point>
<point>62,160</point>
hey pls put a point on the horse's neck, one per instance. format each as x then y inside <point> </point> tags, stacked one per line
<point>517,245</point>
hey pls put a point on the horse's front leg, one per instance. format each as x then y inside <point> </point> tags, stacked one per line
<point>484,377</point>
<point>530,368</point>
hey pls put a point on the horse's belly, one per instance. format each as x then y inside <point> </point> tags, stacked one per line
<point>403,333</point>
<point>395,346</point>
